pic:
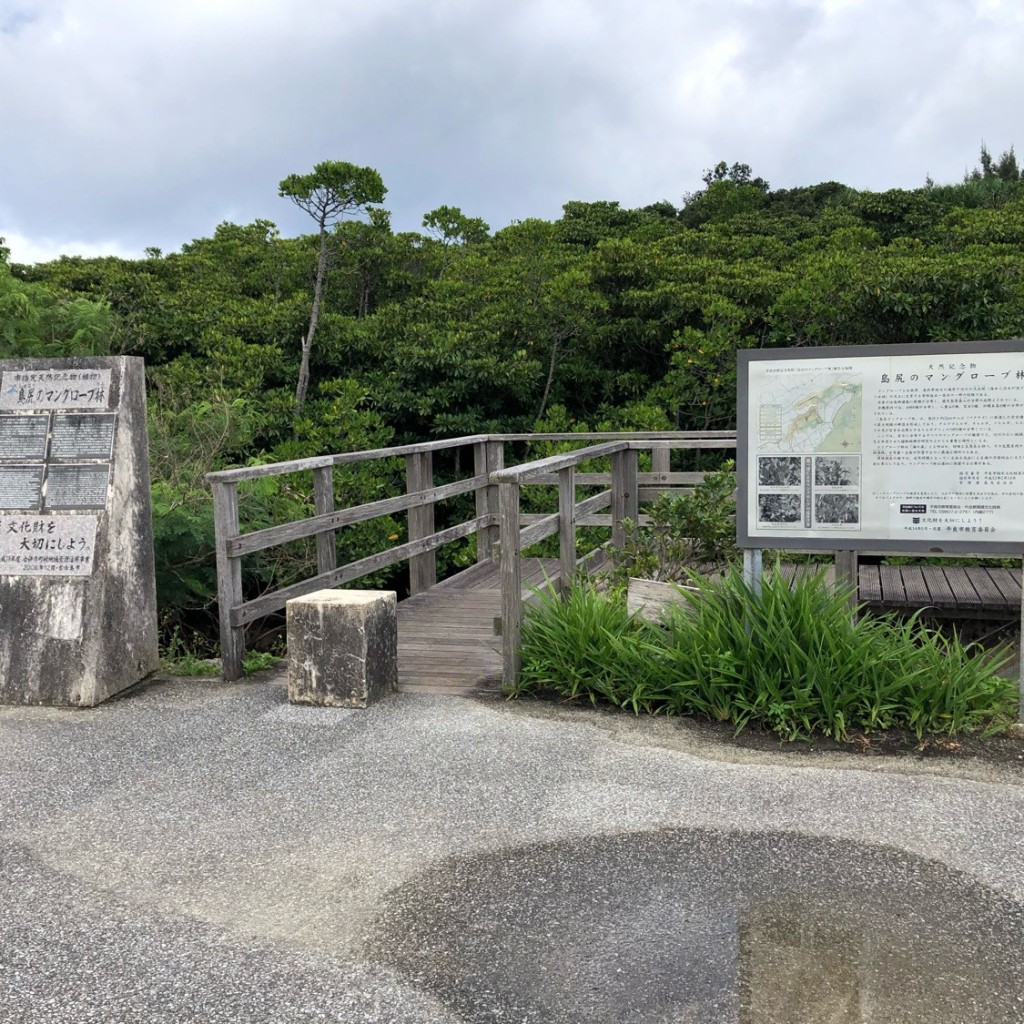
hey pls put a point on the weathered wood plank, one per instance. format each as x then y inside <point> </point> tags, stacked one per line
<point>845,574</point>
<point>963,590</point>
<point>727,440</point>
<point>343,458</point>
<point>272,602</point>
<point>643,479</point>
<point>914,586</point>
<point>419,474</point>
<point>675,438</point>
<point>543,528</point>
<point>989,594</point>
<point>650,598</point>
<point>892,585</point>
<point>323,502</point>
<point>489,457</point>
<point>468,577</point>
<point>589,506</point>
<point>1008,581</point>
<point>566,527</point>
<point>511,580</point>
<point>661,462</point>
<point>530,471</point>
<point>938,588</point>
<point>624,493</point>
<point>229,577</point>
<point>869,585</point>
<point>536,572</point>
<point>259,540</point>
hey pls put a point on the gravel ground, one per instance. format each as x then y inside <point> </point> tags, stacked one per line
<point>202,851</point>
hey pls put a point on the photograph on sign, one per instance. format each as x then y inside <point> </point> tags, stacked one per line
<point>909,447</point>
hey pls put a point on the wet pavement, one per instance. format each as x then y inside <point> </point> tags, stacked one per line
<point>202,851</point>
<point>702,926</point>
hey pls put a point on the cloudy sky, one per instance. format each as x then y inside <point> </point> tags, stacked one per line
<point>130,123</point>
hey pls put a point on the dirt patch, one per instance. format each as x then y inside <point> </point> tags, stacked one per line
<point>999,748</point>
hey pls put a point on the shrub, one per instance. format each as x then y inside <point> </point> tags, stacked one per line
<point>791,659</point>
<point>685,533</point>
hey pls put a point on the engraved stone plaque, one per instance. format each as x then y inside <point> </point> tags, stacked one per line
<point>20,486</point>
<point>47,545</point>
<point>54,389</point>
<point>77,486</point>
<point>87,435</point>
<point>23,437</point>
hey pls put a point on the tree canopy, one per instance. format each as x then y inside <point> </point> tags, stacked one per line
<point>623,318</point>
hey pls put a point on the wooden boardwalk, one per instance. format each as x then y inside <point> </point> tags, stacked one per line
<point>447,644</point>
<point>950,591</point>
<point>446,640</point>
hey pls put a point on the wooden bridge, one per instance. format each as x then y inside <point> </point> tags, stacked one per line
<point>448,640</point>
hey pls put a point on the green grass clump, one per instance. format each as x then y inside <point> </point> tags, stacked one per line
<point>178,659</point>
<point>791,659</point>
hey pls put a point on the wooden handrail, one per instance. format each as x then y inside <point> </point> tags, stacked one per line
<point>529,471</point>
<point>624,496</point>
<point>495,524</point>
<point>341,459</point>
<point>271,536</point>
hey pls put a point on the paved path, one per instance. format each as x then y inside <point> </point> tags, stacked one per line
<point>203,851</point>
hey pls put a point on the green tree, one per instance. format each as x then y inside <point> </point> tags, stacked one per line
<point>333,190</point>
<point>727,191</point>
<point>1005,168</point>
<point>40,321</point>
<point>449,226</point>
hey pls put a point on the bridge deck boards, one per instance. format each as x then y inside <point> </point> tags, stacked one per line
<point>446,641</point>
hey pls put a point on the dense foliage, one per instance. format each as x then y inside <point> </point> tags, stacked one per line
<point>790,659</point>
<point>606,316</point>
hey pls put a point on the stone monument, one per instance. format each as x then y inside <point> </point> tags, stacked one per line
<point>77,581</point>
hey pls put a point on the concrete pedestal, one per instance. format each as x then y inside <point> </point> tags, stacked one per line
<point>342,647</point>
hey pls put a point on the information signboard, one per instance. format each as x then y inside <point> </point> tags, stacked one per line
<point>882,447</point>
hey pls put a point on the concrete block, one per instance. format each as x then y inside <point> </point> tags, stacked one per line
<point>342,647</point>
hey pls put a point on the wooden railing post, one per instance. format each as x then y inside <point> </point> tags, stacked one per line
<point>323,501</point>
<point>661,461</point>
<point>488,456</point>
<point>419,475</point>
<point>566,528</point>
<point>229,578</point>
<point>625,503</point>
<point>511,582</point>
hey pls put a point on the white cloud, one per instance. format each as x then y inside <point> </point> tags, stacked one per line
<point>40,249</point>
<point>147,124</point>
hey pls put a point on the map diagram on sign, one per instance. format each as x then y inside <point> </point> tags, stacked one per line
<point>811,412</point>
